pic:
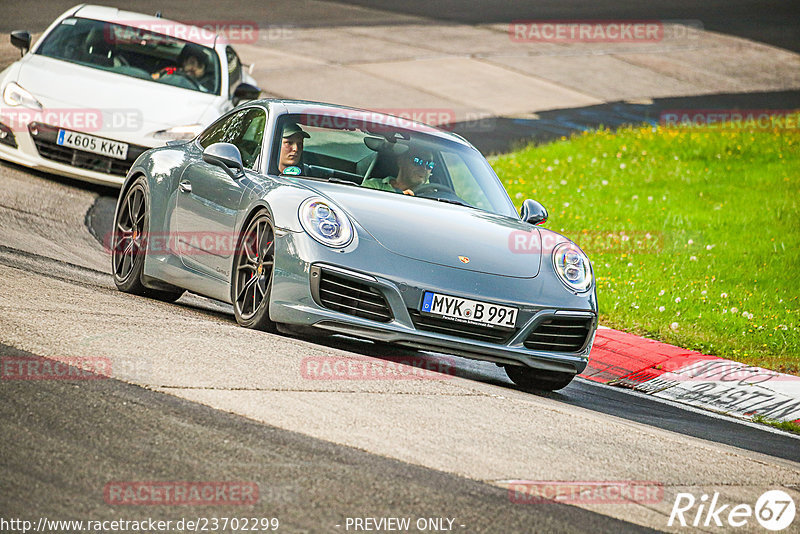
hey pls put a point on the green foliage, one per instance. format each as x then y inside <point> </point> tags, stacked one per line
<point>694,235</point>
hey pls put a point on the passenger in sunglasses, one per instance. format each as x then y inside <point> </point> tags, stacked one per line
<point>414,169</point>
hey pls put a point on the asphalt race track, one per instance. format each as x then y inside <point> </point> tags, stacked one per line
<point>198,398</point>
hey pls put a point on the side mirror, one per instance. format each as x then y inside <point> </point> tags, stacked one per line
<point>245,92</point>
<point>532,212</point>
<point>21,39</point>
<point>227,156</point>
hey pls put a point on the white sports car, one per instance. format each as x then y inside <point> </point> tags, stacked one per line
<point>101,86</point>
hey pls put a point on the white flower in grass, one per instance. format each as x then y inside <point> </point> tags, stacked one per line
<point>566,204</point>
<point>661,308</point>
<point>692,258</point>
<point>678,314</point>
<point>630,264</point>
<point>703,292</point>
<point>674,326</point>
<point>649,199</point>
<point>723,295</point>
<point>635,197</point>
<point>734,310</point>
<point>604,182</point>
<point>691,242</point>
<point>518,195</point>
<point>709,247</point>
<point>621,165</point>
<point>677,300</point>
<point>563,182</point>
<point>661,293</point>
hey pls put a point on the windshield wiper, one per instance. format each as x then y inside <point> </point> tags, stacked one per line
<point>335,180</point>
<point>450,201</point>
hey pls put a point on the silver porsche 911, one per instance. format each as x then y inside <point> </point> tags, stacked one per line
<point>311,217</point>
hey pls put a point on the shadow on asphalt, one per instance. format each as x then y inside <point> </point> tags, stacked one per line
<point>499,135</point>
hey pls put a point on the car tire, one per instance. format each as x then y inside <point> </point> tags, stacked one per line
<point>529,378</point>
<point>251,278</point>
<point>129,244</point>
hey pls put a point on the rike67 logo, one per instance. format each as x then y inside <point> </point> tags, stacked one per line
<point>774,510</point>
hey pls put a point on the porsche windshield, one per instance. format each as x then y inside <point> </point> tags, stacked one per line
<point>393,156</point>
<point>134,52</point>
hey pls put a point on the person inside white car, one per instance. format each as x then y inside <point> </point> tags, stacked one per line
<point>193,65</point>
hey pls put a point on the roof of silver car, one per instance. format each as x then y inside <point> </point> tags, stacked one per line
<point>322,108</point>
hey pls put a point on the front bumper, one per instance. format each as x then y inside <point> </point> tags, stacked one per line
<point>40,152</point>
<point>401,281</point>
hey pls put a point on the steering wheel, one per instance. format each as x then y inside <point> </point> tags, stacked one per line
<point>187,77</point>
<point>429,187</point>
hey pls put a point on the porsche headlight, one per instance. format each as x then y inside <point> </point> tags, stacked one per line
<point>178,133</point>
<point>573,267</point>
<point>325,222</point>
<point>14,95</point>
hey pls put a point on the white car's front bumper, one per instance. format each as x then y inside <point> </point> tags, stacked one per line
<point>64,161</point>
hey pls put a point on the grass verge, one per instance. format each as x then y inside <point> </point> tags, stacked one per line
<point>694,236</point>
<point>788,426</point>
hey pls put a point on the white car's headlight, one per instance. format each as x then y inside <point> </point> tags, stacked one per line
<point>178,133</point>
<point>573,267</point>
<point>14,95</point>
<point>325,222</point>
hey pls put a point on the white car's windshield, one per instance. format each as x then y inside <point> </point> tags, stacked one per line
<point>393,158</point>
<point>134,52</point>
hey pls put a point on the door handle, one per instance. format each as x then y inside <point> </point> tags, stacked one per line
<point>185,186</point>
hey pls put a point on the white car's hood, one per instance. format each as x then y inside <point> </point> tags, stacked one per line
<point>138,107</point>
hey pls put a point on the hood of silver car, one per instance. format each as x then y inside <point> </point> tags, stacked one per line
<point>443,234</point>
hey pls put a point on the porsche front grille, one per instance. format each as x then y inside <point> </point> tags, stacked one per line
<point>560,334</point>
<point>453,328</point>
<point>345,295</point>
